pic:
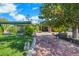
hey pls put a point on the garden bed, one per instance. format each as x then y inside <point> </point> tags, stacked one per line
<point>13,45</point>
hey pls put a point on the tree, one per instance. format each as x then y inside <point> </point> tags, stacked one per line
<point>46,14</point>
<point>49,12</point>
<point>61,15</point>
<point>71,15</point>
<point>3,26</point>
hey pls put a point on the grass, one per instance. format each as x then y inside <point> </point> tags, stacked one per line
<point>13,45</point>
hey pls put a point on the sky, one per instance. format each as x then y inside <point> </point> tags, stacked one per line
<point>19,11</point>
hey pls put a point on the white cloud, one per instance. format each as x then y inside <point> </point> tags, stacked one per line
<point>12,10</point>
<point>34,8</point>
<point>18,17</point>
<point>6,8</point>
<point>35,19</point>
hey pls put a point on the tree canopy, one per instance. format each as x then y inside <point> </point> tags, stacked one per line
<point>60,15</point>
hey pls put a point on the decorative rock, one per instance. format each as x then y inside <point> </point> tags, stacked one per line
<point>26,46</point>
<point>34,53</point>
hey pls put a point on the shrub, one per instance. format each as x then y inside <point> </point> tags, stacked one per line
<point>13,46</point>
<point>59,29</point>
<point>13,30</point>
<point>28,30</point>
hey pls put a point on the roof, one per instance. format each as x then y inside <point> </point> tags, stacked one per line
<point>24,22</point>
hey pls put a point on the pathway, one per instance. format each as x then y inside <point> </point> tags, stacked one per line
<point>48,45</point>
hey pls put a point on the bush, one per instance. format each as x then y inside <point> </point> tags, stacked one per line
<point>58,29</point>
<point>62,35</point>
<point>28,30</point>
<point>13,46</point>
<point>13,30</point>
<point>0,31</point>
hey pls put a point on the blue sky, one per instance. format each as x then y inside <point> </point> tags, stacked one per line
<point>18,11</point>
<point>29,8</point>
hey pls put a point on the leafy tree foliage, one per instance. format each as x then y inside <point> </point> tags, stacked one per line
<point>61,15</point>
<point>3,26</point>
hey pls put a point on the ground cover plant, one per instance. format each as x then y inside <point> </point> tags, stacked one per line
<point>13,45</point>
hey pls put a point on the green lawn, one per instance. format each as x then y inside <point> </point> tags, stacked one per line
<point>12,45</point>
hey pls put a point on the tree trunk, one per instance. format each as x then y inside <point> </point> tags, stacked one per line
<point>49,29</point>
<point>75,32</point>
<point>38,28</point>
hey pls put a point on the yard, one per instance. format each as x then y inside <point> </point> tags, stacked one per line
<point>54,29</point>
<point>13,45</point>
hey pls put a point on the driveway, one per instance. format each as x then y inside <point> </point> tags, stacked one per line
<point>48,45</point>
